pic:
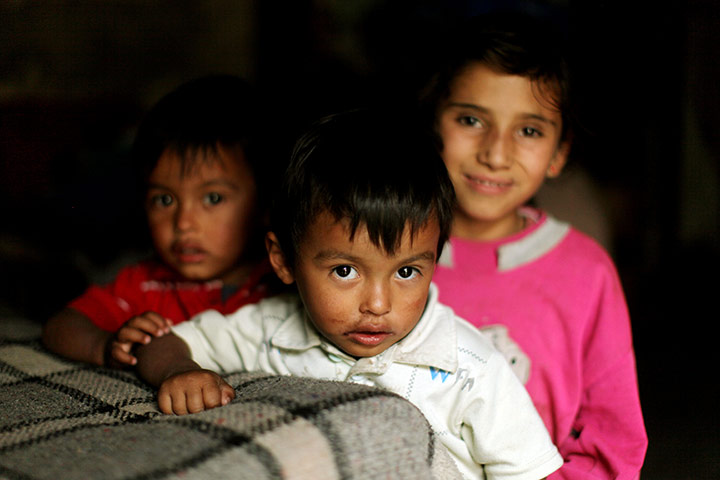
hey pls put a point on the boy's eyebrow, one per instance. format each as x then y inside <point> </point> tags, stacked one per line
<point>479,108</point>
<point>332,254</point>
<point>209,183</point>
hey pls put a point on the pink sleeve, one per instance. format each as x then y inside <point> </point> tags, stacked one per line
<point>608,440</point>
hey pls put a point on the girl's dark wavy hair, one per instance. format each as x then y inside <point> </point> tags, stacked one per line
<point>372,168</point>
<point>510,43</point>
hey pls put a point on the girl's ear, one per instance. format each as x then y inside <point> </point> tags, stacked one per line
<point>557,163</point>
<point>277,259</point>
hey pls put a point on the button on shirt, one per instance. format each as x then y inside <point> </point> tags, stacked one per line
<point>445,366</point>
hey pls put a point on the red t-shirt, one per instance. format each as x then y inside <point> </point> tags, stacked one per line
<point>151,286</point>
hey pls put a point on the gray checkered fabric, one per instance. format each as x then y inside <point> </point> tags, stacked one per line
<point>66,420</point>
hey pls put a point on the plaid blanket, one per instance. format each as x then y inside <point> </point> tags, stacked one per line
<point>65,420</point>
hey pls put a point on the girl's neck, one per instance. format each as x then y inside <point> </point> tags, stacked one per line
<point>472,229</point>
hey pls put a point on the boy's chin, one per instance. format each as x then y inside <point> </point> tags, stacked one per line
<point>196,273</point>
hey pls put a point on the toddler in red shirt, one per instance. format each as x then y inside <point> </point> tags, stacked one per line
<point>204,207</point>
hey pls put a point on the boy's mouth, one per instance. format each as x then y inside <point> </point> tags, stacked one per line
<point>368,338</point>
<point>189,253</point>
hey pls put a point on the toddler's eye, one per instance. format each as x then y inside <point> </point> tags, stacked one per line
<point>346,272</point>
<point>407,272</point>
<point>212,198</point>
<point>162,200</point>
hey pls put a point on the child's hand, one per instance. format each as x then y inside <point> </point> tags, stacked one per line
<point>193,391</point>
<point>138,330</point>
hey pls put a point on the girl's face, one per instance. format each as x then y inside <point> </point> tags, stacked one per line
<point>501,139</point>
<point>202,220</point>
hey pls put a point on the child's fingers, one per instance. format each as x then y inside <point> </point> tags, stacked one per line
<point>163,324</point>
<point>193,392</point>
<point>150,323</point>
<point>171,400</point>
<point>130,335</point>
<point>217,394</point>
<point>195,400</point>
<point>227,394</point>
<point>121,353</point>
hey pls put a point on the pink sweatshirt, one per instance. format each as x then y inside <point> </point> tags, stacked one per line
<point>559,296</point>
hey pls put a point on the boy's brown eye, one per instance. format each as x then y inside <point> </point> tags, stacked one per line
<point>213,198</point>
<point>345,271</point>
<point>406,272</point>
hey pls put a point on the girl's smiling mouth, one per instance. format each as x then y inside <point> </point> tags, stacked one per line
<point>487,185</point>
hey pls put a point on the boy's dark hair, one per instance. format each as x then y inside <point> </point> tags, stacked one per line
<point>507,42</point>
<point>375,169</point>
<point>194,119</point>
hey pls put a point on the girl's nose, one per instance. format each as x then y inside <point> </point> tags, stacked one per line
<point>376,299</point>
<point>494,151</point>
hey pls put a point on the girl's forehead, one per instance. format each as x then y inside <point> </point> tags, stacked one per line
<point>480,85</point>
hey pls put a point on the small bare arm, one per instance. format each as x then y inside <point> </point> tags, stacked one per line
<point>73,335</point>
<point>185,387</point>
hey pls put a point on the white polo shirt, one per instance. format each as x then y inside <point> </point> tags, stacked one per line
<point>445,366</point>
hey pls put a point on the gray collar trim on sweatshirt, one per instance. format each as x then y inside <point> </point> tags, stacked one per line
<point>531,247</point>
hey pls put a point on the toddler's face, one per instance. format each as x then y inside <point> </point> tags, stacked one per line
<point>359,297</point>
<point>501,139</point>
<point>201,220</point>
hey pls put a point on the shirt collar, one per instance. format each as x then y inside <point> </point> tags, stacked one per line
<point>433,341</point>
<point>531,244</point>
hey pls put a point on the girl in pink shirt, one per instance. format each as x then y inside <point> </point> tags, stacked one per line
<point>549,295</point>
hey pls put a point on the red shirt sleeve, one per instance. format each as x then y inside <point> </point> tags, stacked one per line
<point>109,306</point>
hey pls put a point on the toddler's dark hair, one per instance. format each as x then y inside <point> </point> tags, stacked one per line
<point>373,168</point>
<point>192,120</point>
<point>510,43</point>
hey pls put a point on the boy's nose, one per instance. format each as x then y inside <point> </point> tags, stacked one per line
<point>184,218</point>
<point>376,299</point>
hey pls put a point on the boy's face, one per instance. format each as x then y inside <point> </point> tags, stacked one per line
<point>359,297</point>
<point>501,139</point>
<point>201,220</point>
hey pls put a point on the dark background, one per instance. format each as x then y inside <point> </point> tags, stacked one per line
<point>76,76</point>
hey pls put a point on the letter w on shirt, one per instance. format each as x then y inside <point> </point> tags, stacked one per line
<point>469,381</point>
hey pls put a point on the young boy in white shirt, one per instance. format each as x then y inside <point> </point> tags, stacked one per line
<point>364,210</point>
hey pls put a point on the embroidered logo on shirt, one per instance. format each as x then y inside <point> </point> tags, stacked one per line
<point>462,374</point>
<point>435,371</point>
